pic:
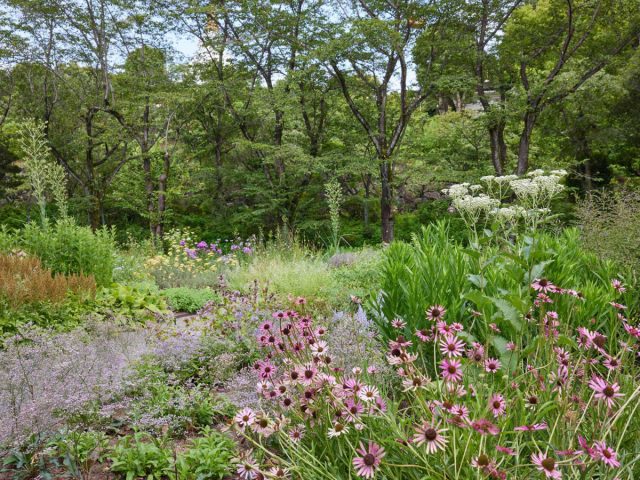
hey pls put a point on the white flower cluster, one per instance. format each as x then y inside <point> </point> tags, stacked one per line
<point>458,190</point>
<point>538,190</point>
<point>472,208</point>
<point>533,192</point>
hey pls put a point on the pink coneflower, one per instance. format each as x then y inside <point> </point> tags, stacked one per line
<point>278,472</point>
<point>248,469</point>
<point>436,312</point>
<point>266,326</point>
<point>497,405</point>
<point>606,454</point>
<point>443,328</point>
<point>482,461</point>
<point>266,369</point>
<point>308,374</point>
<point>398,323</point>
<point>263,425</point>
<point>492,365</point>
<point>476,353</point>
<point>543,285</point>
<point>605,392</point>
<point>612,363</point>
<point>369,460</point>
<point>414,383</point>
<point>368,393</point>
<point>485,427</point>
<point>531,428</point>
<point>494,327</point>
<point>451,370</point>
<point>511,347</point>
<point>296,433</point>
<point>244,417</point>
<point>460,411</point>
<point>618,286</point>
<point>506,450</point>
<point>451,346</point>
<point>424,335</point>
<point>337,429</point>
<point>546,464</point>
<point>619,306</point>
<point>319,348</point>
<point>353,409</point>
<point>427,434</point>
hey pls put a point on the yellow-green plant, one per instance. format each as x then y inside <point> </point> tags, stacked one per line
<point>44,175</point>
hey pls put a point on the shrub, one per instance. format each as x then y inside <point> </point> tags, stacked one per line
<point>68,248</point>
<point>183,299</point>
<point>23,280</point>
<point>610,225</point>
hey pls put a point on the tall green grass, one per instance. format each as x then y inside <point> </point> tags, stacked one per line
<point>494,282</point>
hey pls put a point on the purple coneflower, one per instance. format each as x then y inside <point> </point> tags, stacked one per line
<point>451,370</point>
<point>492,365</point>
<point>547,465</point>
<point>451,346</point>
<point>428,435</point>
<point>497,405</point>
<point>605,392</point>
<point>369,460</point>
<point>436,312</point>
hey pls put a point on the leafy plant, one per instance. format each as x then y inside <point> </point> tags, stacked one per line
<point>131,301</point>
<point>68,248</point>
<point>81,450</point>
<point>209,457</point>
<point>141,455</point>
<point>183,299</point>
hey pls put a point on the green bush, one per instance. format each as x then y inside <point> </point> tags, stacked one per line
<point>183,299</point>
<point>209,457</point>
<point>69,248</point>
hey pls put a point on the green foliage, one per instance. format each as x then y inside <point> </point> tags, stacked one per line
<point>435,270</point>
<point>133,301</point>
<point>208,458</point>
<point>80,451</point>
<point>183,299</point>
<point>60,316</point>
<point>66,248</point>
<point>141,455</point>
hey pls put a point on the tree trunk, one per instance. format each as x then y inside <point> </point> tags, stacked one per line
<point>529,121</point>
<point>148,188</point>
<point>498,147</point>
<point>162,195</point>
<point>386,207</point>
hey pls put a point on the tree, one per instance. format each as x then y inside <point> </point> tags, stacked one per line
<point>556,46</point>
<point>370,59</point>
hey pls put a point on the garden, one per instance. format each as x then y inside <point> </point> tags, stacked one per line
<point>512,354</point>
<point>319,239</point>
